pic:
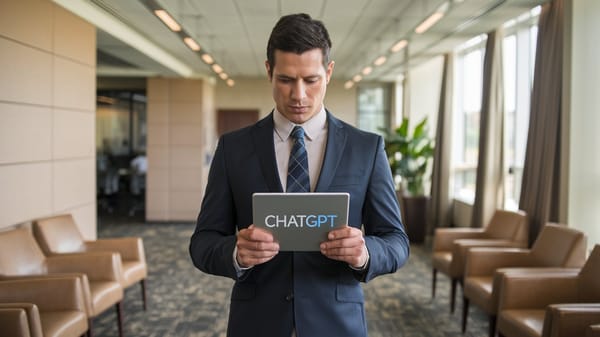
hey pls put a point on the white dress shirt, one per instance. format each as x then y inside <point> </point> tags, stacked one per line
<point>315,132</point>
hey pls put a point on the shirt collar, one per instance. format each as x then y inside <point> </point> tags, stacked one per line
<point>312,127</point>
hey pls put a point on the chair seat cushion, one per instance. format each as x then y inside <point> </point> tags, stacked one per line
<point>523,323</point>
<point>63,323</point>
<point>479,291</point>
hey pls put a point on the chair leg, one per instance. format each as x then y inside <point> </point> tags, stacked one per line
<point>433,282</point>
<point>492,326</point>
<point>453,294</point>
<point>119,307</point>
<point>465,313</point>
<point>143,286</point>
<point>90,325</point>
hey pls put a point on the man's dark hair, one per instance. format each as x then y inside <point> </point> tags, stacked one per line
<point>298,33</point>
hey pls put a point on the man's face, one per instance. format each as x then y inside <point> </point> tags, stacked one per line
<point>299,83</point>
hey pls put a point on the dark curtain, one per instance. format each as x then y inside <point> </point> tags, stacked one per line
<point>541,172</point>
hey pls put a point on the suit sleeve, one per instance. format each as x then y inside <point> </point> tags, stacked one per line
<point>385,236</point>
<point>212,243</point>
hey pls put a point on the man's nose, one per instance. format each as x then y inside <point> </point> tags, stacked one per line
<point>299,91</point>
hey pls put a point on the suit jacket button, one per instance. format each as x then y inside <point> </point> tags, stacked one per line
<point>289,297</point>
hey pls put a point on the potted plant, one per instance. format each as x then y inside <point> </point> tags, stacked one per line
<point>409,155</point>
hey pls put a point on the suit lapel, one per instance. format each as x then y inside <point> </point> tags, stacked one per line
<point>336,141</point>
<point>262,136</point>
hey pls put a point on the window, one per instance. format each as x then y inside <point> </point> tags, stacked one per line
<point>374,107</point>
<point>518,61</point>
<point>465,144</point>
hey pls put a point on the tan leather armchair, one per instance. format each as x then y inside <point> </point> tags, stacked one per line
<point>505,229</point>
<point>59,309</point>
<point>99,272</point>
<point>551,304</point>
<point>60,234</point>
<point>557,247</point>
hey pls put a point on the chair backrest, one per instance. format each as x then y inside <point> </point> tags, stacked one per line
<point>58,234</point>
<point>559,246</point>
<point>20,254</point>
<point>508,225</point>
<point>589,278</point>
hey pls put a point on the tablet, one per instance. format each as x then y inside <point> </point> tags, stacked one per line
<point>300,221</point>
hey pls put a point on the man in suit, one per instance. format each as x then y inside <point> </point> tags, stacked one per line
<point>306,294</point>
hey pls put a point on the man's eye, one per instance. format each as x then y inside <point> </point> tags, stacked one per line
<point>312,80</point>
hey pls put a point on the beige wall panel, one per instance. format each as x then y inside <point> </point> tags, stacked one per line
<point>186,201</point>
<point>342,103</point>
<point>158,179</point>
<point>158,113</point>
<point>157,205</point>
<point>26,74</point>
<point>186,157</point>
<point>185,135</point>
<point>25,133</point>
<point>74,38</point>
<point>26,192</point>
<point>186,180</point>
<point>74,183</point>
<point>28,21</point>
<point>158,134</point>
<point>184,90</point>
<point>74,85</point>
<point>248,93</point>
<point>74,134</point>
<point>185,113</point>
<point>187,215</point>
<point>158,90</point>
<point>85,216</point>
<point>158,156</point>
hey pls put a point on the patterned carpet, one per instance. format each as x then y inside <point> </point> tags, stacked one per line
<point>185,302</point>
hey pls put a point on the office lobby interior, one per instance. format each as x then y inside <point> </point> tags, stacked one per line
<point>111,111</point>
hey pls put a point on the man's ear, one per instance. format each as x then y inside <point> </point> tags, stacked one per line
<point>268,67</point>
<point>329,70</point>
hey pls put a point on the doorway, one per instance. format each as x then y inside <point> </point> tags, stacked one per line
<point>233,119</point>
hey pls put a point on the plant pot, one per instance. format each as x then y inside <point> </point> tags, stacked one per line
<point>414,216</point>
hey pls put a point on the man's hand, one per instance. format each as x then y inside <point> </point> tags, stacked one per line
<point>346,244</point>
<point>255,246</point>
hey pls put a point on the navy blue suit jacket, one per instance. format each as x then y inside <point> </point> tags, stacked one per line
<point>306,290</point>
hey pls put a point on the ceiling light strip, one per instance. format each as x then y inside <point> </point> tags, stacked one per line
<point>189,41</point>
<point>124,33</point>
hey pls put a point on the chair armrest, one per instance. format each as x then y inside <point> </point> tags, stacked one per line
<point>571,319</point>
<point>14,322</point>
<point>461,246</point>
<point>48,293</point>
<point>485,261</point>
<point>20,319</point>
<point>98,266</point>
<point>444,237</point>
<point>130,248</point>
<point>536,291</point>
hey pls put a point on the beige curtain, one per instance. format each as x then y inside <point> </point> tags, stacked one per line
<point>489,187</point>
<point>439,210</point>
<point>541,172</point>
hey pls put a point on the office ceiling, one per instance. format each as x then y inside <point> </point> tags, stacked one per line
<point>235,32</point>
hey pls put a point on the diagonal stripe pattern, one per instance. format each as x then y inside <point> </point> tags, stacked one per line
<point>298,179</point>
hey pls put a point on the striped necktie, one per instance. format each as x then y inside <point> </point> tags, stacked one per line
<point>298,179</point>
